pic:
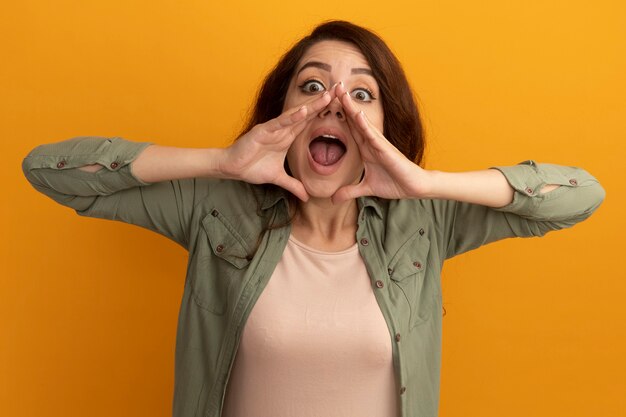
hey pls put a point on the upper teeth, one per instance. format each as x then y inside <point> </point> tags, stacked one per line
<point>329,136</point>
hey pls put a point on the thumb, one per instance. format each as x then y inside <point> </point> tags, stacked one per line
<point>349,192</point>
<point>292,185</point>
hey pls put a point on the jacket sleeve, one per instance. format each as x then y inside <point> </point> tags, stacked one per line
<point>113,192</point>
<point>467,226</point>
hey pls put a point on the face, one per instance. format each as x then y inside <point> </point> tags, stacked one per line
<point>325,156</point>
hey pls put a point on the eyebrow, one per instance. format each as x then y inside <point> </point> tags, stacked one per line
<point>326,67</point>
<point>362,71</point>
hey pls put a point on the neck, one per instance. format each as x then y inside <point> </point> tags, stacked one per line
<point>326,226</point>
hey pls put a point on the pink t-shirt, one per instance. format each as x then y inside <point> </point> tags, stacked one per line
<point>315,344</point>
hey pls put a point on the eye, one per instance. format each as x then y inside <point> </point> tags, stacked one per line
<point>312,87</point>
<point>363,94</point>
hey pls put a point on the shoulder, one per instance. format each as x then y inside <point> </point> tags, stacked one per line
<point>231,196</point>
<point>411,209</point>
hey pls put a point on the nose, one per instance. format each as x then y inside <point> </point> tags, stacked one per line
<point>334,108</point>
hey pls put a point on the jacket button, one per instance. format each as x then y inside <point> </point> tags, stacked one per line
<point>402,390</point>
<point>219,248</point>
<point>389,271</point>
<point>114,165</point>
<point>365,242</point>
<point>529,190</point>
<point>61,164</point>
<point>397,337</point>
<point>418,265</point>
<point>380,284</point>
<point>214,213</point>
<point>421,232</point>
<point>573,181</point>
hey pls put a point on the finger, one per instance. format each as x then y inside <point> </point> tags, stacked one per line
<point>337,89</point>
<point>356,132</point>
<point>364,124</point>
<point>312,110</point>
<point>286,119</point>
<point>293,185</point>
<point>316,106</point>
<point>356,117</point>
<point>348,104</point>
<point>305,111</point>
<point>349,108</point>
<point>367,130</point>
<point>318,103</point>
<point>350,192</point>
<point>353,111</point>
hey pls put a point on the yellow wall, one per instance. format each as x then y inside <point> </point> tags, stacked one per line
<point>534,327</point>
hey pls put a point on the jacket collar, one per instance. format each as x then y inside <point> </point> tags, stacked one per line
<point>272,195</point>
<point>373,202</point>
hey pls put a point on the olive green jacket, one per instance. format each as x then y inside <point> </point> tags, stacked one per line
<point>226,227</point>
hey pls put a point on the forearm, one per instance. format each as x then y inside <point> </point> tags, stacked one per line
<point>163,163</point>
<point>50,166</point>
<point>488,187</point>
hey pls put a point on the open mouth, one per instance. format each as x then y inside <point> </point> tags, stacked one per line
<point>327,149</point>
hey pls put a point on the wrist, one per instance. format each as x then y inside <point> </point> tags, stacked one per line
<point>427,184</point>
<point>215,163</point>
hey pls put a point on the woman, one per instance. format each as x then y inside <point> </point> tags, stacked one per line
<point>315,241</point>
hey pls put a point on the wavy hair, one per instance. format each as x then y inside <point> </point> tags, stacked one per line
<point>402,124</point>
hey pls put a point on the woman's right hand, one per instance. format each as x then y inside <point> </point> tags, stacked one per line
<point>258,157</point>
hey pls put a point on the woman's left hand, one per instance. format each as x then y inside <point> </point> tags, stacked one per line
<point>388,173</point>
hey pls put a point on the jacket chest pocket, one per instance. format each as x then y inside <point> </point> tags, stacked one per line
<point>218,263</point>
<point>408,272</point>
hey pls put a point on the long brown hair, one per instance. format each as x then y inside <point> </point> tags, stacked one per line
<point>402,124</point>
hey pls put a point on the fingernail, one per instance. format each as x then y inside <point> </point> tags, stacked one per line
<point>341,83</point>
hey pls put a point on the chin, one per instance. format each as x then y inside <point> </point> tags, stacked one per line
<point>320,191</point>
<point>325,189</point>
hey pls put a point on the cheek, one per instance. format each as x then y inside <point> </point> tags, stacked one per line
<point>291,98</point>
<point>296,155</point>
<point>374,112</point>
<point>375,116</point>
<point>291,156</point>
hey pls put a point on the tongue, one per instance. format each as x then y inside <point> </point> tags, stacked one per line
<point>326,153</point>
